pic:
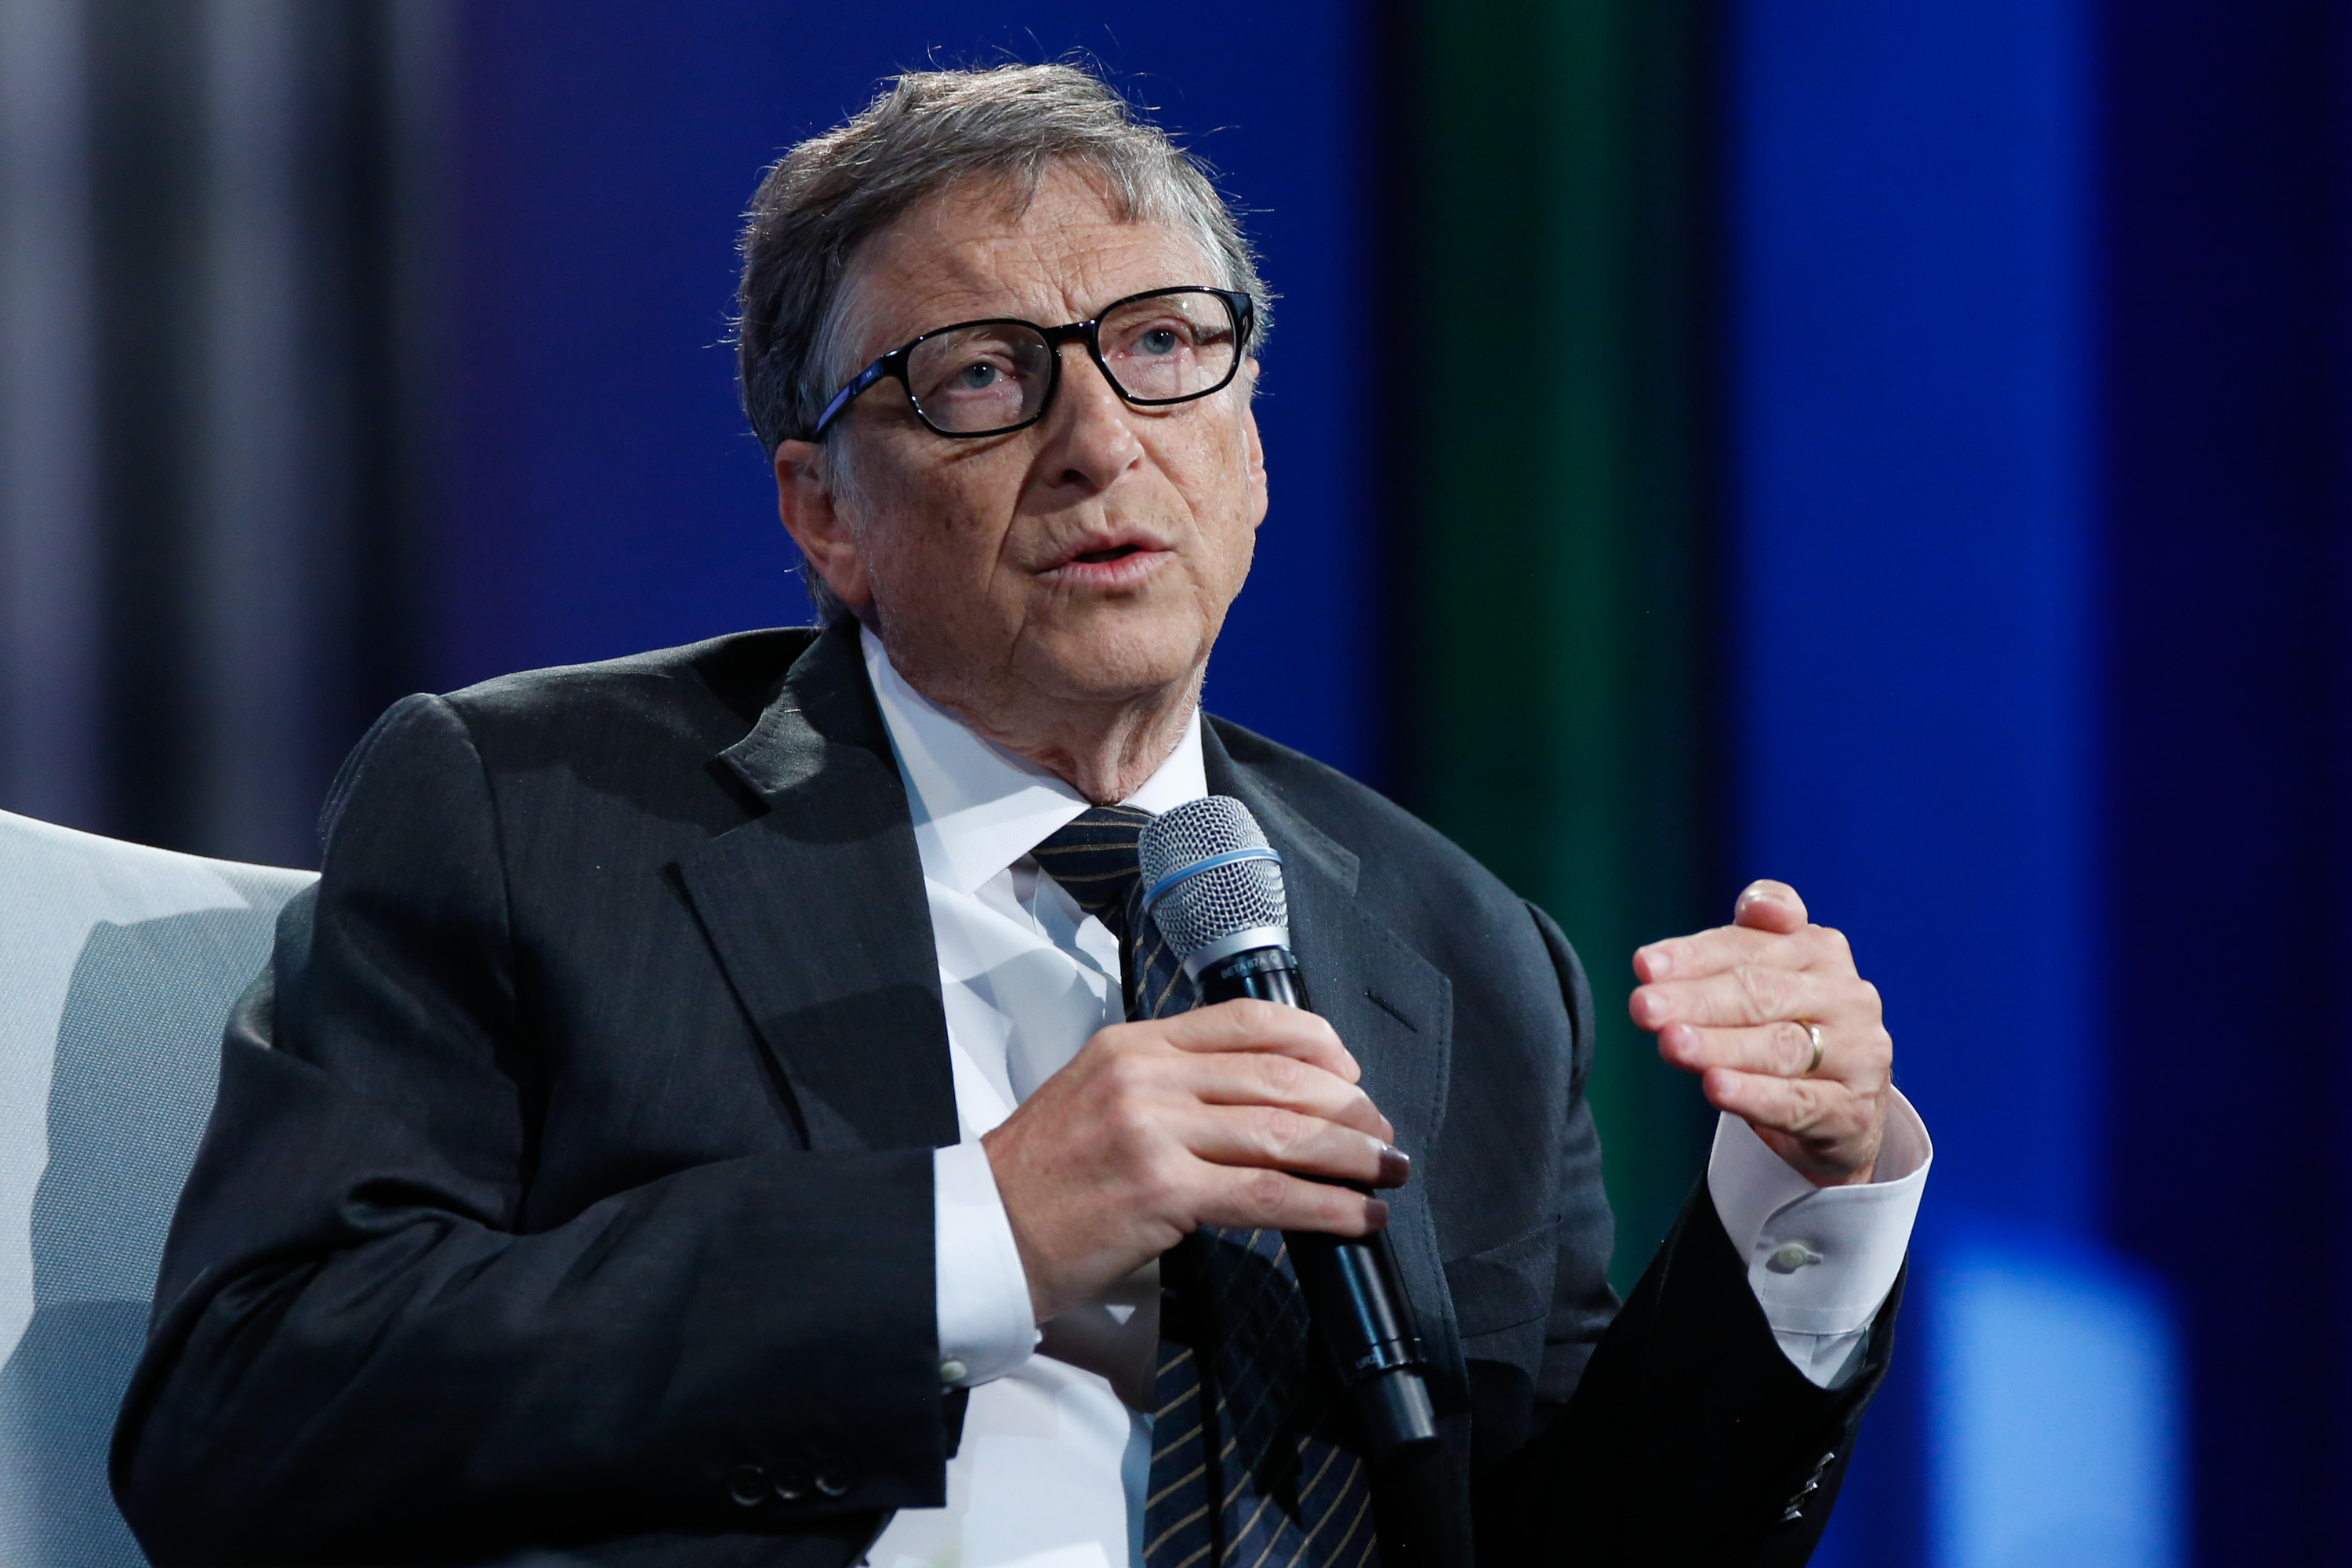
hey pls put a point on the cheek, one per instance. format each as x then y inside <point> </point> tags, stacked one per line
<point>1236,548</point>
<point>930,541</point>
<point>1227,500</point>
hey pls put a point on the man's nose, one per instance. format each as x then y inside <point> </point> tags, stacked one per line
<point>1089,437</point>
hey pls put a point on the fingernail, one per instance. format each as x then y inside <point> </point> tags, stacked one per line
<point>1376,1214</point>
<point>1396,1166</point>
<point>1656,963</point>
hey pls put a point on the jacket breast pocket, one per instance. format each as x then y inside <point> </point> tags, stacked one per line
<point>1502,1296</point>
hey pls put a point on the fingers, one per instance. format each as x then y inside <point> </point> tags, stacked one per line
<point>1271,1200</point>
<point>1267,1137</point>
<point>1784,1049</point>
<point>1782,1031</point>
<point>1283,1083</point>
<point>1792,1105</point>
<point>1248,1052</point>
<point>1766,905</point>
<point>1825,1128</point>
<point>1861,1057</point>
<point>1245,1024</point>
<point>1750,994</point>
<point>1725,947</point>
<point>1225,1115</point>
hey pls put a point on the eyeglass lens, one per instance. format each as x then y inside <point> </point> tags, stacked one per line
<point>996,376</point>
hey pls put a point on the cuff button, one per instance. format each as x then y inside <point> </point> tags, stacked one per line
<point>748,1485</point>
<point>952,1372</point>
<point>793,1481</point>
<point>833,1481</point>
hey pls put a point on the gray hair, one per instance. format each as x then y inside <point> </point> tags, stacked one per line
<point>925,132</point>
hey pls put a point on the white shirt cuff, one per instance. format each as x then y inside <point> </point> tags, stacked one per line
<point>985,1326</point>
<point>1820,1259</point>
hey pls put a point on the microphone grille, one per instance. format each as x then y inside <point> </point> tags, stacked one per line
<point>1243,895</point>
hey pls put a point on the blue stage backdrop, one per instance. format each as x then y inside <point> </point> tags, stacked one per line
<point>1915,512</point>
<point>2039,416</point>
<point>2226,600</point>
<point>605,496</point>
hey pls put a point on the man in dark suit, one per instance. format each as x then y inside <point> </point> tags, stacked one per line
<point>694,1089</point>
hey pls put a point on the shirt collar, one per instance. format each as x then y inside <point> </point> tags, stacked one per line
<point>977,808</point>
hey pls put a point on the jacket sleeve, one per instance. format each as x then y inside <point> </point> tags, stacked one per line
<point>1684,1435</point>
<point>358,1351</point>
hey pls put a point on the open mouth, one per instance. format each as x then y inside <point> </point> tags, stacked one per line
<point>1123,564</point>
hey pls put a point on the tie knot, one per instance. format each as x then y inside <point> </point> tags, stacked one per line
<point>1094,859</point>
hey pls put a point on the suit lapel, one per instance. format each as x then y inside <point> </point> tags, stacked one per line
<point>817,912</point>
<point>1392,1007</point>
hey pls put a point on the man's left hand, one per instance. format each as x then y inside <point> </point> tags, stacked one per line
<point>1732,1004</point>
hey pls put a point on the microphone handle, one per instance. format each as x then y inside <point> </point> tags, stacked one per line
<point>1352,1286</point>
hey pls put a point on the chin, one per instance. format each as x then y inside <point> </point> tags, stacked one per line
<point>1114,662</point>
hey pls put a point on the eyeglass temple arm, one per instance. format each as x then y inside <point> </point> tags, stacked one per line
<point>1244,311</point>
<point>848,395</point>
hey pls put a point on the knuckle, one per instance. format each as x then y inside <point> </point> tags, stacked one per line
<point>1129,1127</point>
<point>1159,1180</point>
<point>1124,1076</point>
<point>1800,1107</point>
<point>1259,1017</point>
<point>1764,989</point>
<point>1283,1078</point>
<point>1126,1096</point>
<point>1262,1191</point>
<point>1281,1134</point>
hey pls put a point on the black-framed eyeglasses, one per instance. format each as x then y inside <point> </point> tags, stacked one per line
<point>990,377</point>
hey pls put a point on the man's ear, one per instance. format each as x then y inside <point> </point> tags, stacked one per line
<point>806,501</point>
<point>1257,448</point>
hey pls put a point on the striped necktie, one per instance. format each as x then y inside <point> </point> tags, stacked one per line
<point>1245,1470</point>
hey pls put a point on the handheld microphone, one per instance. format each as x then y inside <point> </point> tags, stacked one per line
<point>1213,887</point>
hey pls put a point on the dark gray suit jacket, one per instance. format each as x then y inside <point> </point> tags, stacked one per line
<point>581,1200</point>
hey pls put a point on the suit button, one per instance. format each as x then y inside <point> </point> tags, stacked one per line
<point>835,1480</point>
<point>793,1481</point>
<point>748,1485</point>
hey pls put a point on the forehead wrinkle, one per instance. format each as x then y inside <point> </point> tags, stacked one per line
<point>912,277</point>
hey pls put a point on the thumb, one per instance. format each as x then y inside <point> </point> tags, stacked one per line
<point>1766,905</point>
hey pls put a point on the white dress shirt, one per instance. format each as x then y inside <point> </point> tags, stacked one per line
<point>1054,1463</point>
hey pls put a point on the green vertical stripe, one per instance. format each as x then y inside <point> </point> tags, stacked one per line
<point>1558,521</point>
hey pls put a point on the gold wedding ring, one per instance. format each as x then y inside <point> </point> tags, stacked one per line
<point>1815,1065</point>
